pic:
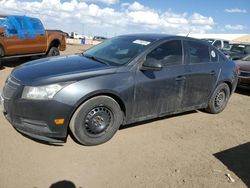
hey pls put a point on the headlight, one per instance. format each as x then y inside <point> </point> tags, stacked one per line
<point>42,92</point>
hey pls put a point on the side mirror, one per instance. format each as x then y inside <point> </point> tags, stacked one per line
<point>151,64</point>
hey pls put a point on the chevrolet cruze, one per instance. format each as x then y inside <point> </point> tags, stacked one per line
<point>123,80</point>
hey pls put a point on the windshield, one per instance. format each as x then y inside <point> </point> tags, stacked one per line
<point>238,47</point>
<point>119,50</point>
<point>226,45</point>
<point>247,58</point>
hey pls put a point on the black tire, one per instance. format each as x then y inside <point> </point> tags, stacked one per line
<point>1,55</point>
<point>96,120</point>
<point>54,51</point>
<point>1,52</point>
<point>219,99</point>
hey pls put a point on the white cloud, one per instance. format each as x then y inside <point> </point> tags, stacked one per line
<point>236,10</point>
<point>108,2</point>
<point>134,17</point>
<point>136,6</point>
<point>235,27</point>
<point>198,19</point>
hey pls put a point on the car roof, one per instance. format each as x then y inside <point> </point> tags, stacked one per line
<point>157,37</point>
<point>7,15</point>
<point>245,44</point>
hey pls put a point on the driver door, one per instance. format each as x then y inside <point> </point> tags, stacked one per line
<point>159,92</point>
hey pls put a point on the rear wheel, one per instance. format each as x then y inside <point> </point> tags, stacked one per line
<point>219,99</point>
<point>54,51</point>
<point>96,120</point>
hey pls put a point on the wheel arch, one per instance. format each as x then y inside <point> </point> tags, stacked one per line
<point>112,95</point>
<point>229,83</point>
<point>55,43</point>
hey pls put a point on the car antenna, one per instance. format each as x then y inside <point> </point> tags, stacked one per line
<point>188,34</point>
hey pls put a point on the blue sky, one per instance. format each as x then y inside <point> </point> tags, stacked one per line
<point>112,17</point>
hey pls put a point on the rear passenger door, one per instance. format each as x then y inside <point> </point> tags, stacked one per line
<point>203,68</point>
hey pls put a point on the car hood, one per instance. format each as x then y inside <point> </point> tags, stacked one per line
<point>244,65</point>
<point>59,69</point>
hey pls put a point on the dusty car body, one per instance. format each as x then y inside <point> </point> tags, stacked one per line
<point>244,76</point>
<point>25,36</point>
<point>123,80</point>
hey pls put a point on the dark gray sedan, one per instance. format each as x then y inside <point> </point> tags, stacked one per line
<point>125,79</point>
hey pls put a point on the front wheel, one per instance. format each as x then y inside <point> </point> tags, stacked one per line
<point>219,99</point>
<point>96,120</point>
<point>54,51</point>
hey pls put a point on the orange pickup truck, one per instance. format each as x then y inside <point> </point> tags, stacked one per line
<point>22,36</point>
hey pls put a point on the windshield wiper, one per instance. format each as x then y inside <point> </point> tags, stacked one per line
<point>95,58</point>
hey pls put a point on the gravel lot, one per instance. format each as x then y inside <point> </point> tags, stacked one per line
<point>193,149</point>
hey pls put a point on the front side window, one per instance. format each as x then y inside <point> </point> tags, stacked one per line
<point>169,53</point>
<point>198,52</point>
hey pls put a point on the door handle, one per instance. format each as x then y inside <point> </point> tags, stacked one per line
<point>180,78</point>
<point>212,72</point>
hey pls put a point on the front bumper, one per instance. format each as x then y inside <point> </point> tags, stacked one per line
<point>35,118</point>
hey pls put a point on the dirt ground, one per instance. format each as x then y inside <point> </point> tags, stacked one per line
<point>193,149</point>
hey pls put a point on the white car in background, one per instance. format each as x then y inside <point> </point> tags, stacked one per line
<point>219,43</point>
<point>75,35</point>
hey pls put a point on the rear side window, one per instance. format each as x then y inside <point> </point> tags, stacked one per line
<point>169,53</point>
<point>197,52</point>
<point>37,26</point>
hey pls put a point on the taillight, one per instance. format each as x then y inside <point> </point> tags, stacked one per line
<point>238,69</point>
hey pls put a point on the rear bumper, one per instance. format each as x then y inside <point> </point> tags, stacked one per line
<point>243,82</point>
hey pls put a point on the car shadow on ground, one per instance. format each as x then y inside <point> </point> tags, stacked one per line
<point>156,119</point>
<point>11,63</point>
<point>43,142</point>
<point>237,159</point>
<point>63,184</point>
<point>243,91</point>
<point>14,62</point>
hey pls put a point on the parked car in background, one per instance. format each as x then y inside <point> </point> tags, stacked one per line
<point>98,39</point>
<point>75,35</point>
<point>238,51</point>
<point>123,80</point>
<point>244,67</point>
<point>22,36</point>
<point>219,43</point>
